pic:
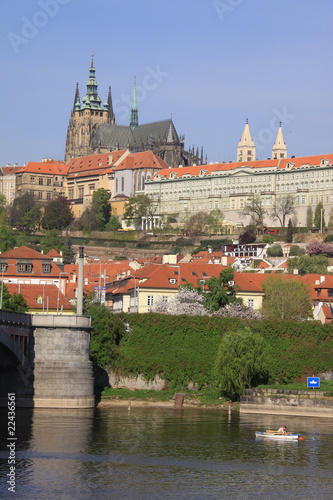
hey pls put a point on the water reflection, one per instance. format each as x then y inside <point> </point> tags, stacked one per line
<point>161,454</point>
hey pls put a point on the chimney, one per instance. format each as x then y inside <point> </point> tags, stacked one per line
<point>224,261</point>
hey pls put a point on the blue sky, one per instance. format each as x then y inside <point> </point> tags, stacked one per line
<point>211,64</point>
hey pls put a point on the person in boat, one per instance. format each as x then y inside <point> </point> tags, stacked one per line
<point>282,430</point>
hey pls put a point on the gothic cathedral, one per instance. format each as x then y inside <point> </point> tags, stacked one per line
<point>92,130</point>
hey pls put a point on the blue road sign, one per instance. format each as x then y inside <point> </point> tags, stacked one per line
<point>313,382</point>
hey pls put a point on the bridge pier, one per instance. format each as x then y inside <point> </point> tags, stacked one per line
<point>63,374</point>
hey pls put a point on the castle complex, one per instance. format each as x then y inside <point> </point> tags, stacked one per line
<point>92,130</point>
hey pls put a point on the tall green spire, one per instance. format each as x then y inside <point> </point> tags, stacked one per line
<point>91,99</point>
<point>134,110</point>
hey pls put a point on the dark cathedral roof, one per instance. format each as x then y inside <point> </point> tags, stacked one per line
<point>121,136</point>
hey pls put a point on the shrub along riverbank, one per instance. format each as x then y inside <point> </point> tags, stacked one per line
<point>183,349</point>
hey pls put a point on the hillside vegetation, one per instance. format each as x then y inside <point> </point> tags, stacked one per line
<point>184,348</point>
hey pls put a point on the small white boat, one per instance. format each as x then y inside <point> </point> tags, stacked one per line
<point>278,435</point>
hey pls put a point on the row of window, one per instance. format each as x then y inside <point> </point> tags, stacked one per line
<point>25,267</point>
<point>48,181</point>
<point>150,301</point>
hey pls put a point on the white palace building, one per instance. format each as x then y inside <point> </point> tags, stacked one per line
<point>231,186</point>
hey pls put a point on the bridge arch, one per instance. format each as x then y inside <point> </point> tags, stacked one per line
<point>7,341</point>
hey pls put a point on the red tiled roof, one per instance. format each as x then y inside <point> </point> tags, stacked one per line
<point>144,159</point>
<point>23,252</point>
<point>257,164</point>
<point>10,170</point>
<point>53,253</point>
<point>53,168</point>
<point>49,292</point>
<point>93,163</point>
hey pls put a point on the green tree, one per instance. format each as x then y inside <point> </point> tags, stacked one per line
<point>107,331</point>
<point>319,216</point>
<point>290,231</point>
<point>3,212</point>
<point>25,213</point>
<point>137,207</point>
<point>113,224</point>
<point>286,299</point>
<point>308,264</point>
<point>101,207</point>
<point>7,238</point>
<point>52,240</point>
<point>275,250</point>
<point>256,211</point>
<point>221,291</point>
<point>241,362</point>
<point>67,251</point>
<point>309,217</point>
<point>15,302</point>
<point>296,250</point>
<point>214,222</point>
<point>57,214</point>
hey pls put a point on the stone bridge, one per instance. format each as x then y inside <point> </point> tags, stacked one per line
<point>44,360</point>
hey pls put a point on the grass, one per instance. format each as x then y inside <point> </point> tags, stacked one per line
<point>325,385</point>
<point>207,397</point>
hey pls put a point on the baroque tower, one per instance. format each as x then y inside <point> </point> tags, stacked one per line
<point>86,117</point>
<point>246,150</point>
<point>279,149</point>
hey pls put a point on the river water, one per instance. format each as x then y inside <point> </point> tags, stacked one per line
<point>153,453</point>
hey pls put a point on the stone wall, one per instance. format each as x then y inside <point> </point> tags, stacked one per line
<point>287,402</point>
<point>118,381</point>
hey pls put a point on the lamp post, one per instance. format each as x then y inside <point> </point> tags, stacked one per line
<point>2,269</point>
<point>58,298</point>
<point>100,277</point>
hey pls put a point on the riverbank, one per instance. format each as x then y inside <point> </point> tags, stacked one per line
<point>141,398</point>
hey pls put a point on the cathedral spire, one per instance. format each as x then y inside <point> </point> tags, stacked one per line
<point>111,117</point>
<point>134,110</point>
<point>279,149</point>
<point>91,99</point>
<point>246,150</point>
<point>76,97</point>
